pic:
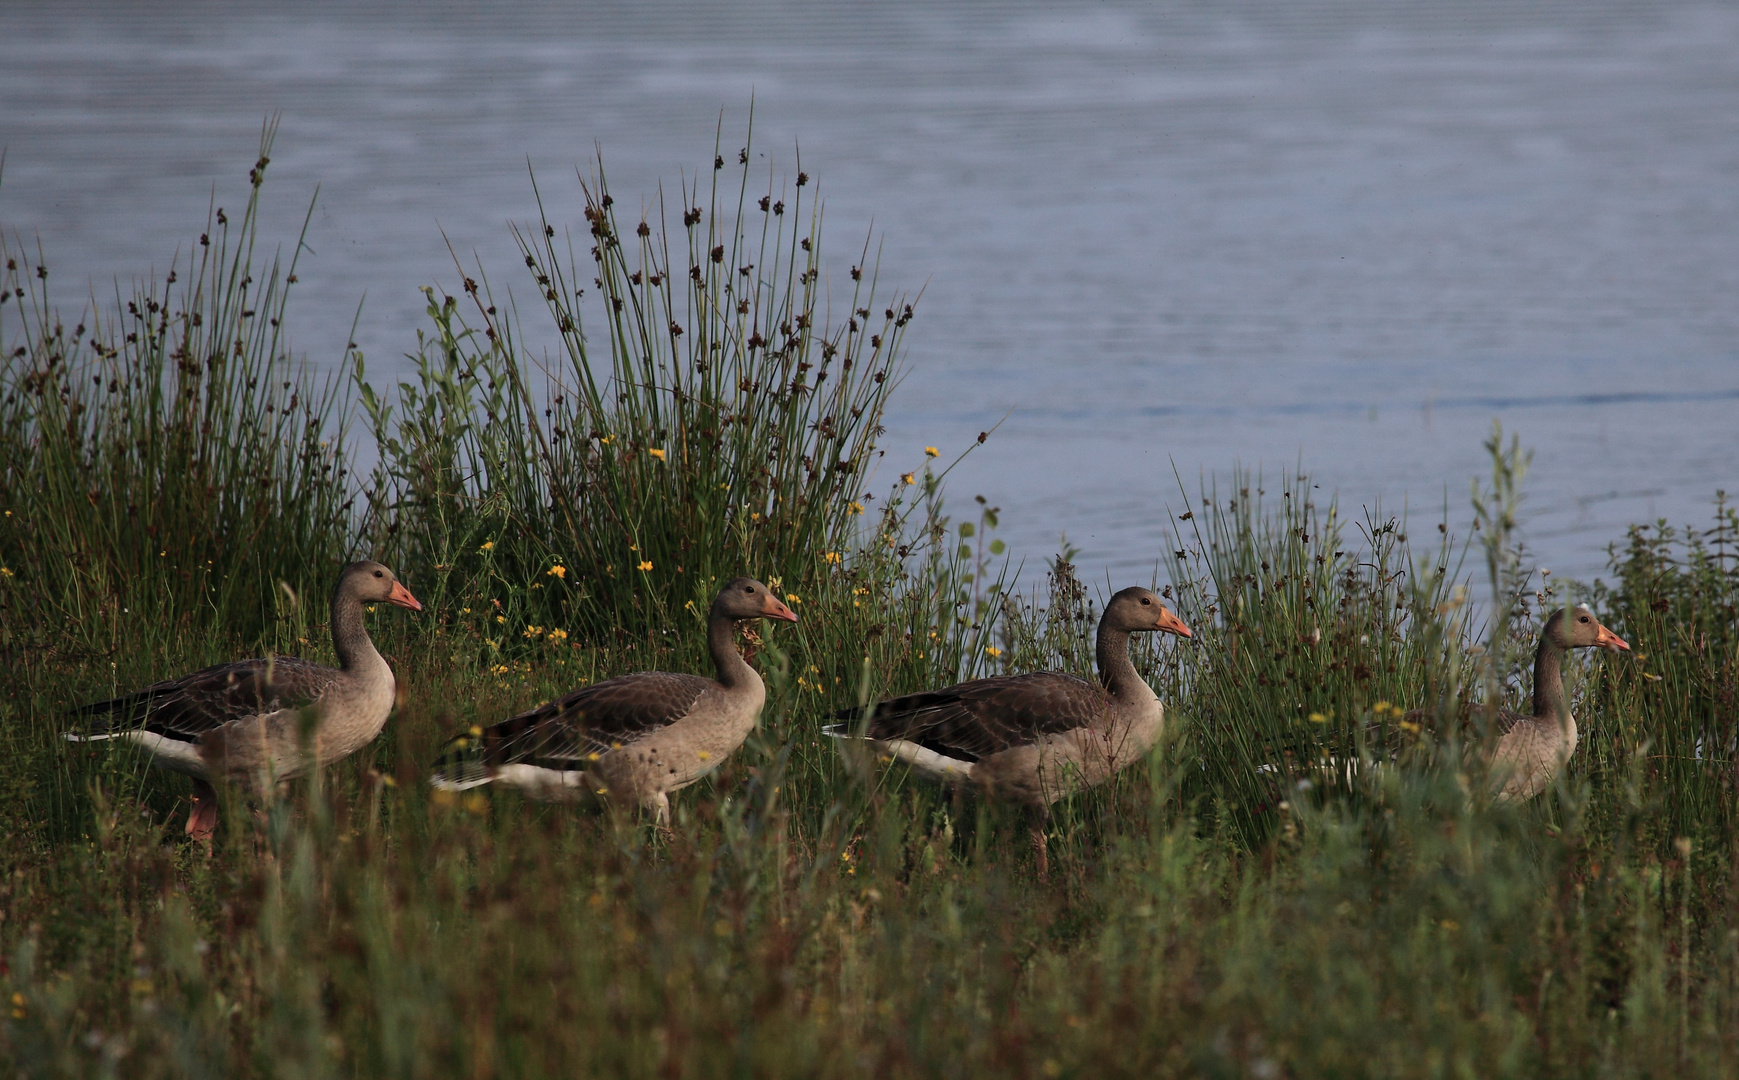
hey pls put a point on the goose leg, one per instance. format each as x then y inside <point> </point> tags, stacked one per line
<point>1041,817</point>
<point>660,804</point>
<point>202,819</point>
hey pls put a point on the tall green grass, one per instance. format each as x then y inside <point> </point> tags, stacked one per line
<point>1673,715</point>
<point>164,461</point>
<point>701,402</point>
<point>1223,909</point>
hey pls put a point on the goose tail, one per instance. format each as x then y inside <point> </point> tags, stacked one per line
<point>461,766</point>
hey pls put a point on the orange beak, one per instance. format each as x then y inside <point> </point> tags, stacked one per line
<point>402,597</point>
<point>777,610</point>
<point>1171,624</point>
<point>1606,639</point>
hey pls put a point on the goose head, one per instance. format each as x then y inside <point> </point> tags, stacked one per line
<point>1138,610</point>
<point>746,598</point>
<point>371,583</point>
<point>1577,628</point>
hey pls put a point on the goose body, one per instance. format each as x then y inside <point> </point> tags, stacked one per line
<point>631,739</point>
<point>1030,739</point>
<point>1533,747</point>
<point>267,720</point>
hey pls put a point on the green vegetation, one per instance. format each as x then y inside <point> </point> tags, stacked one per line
<point>174,485</point>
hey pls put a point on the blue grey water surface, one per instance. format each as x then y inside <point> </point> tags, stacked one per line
<point>1153,239</point>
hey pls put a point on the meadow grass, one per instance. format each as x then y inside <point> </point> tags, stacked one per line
<point>1228,907</point>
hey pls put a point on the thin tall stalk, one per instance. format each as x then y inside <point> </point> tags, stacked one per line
<point>170,462</point>
<point>723,421</point>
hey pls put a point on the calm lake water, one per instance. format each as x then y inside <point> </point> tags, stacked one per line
<point>1159,240</point>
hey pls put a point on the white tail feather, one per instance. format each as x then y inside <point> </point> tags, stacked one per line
<point>442,783</point>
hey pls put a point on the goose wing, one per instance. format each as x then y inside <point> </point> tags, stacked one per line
<point>578,728</point>
<point>187,708</point>
<point>975,719</point>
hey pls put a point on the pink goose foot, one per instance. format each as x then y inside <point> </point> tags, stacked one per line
<point>202,819</point>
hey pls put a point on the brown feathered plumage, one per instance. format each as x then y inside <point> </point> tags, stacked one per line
<point>634,738</point>
<point>264,720</point>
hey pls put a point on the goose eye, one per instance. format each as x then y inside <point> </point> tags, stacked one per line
<point>1145,601</point>
<point>749,589</point>
<point>377,574</point>
<point>1583,619</point>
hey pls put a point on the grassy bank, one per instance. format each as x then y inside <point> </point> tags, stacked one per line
<point>563,484</point>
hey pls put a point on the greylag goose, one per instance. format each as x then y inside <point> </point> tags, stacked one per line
<point>256,721</point>
<point>1030,739</point>
<point>1531,749</point>
<point>631,739</point>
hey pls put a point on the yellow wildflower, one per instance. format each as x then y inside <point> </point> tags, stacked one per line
<point>931,451</point>
<point>557,572</point>
<point>488,545</point>
<point>533,631</point>
<point>657,453</point>
<point>831,557</point>
<point>500,618</point>
<point>558,635</point>
<point>793,598</point>
<point>992,651</point>
<point>906,478</point>
<point>647,565</point>
<point>1318,718</point>
<point>854,507</point>
<point>5,572</point>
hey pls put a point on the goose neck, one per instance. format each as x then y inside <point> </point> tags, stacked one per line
<point>1549,696</point>
<point>1116,670</point>
<point>350,638</point>
<point>721,634</point>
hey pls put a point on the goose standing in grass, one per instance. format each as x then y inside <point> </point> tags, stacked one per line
<point>260,722</point>
<point>1030,739</point>
<point>1532,748</point>
<point>631,739</point>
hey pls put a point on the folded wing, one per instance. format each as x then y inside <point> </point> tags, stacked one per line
<point>973,720</point>
<point>572,731</point>
<point>187,708</point>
